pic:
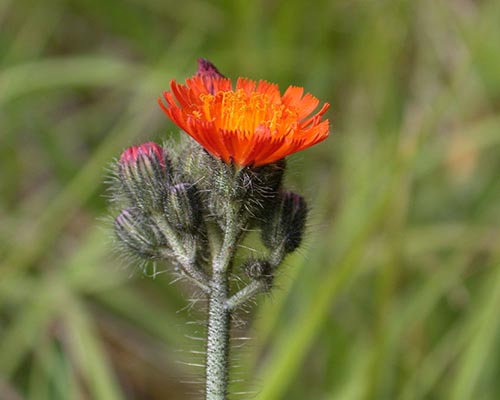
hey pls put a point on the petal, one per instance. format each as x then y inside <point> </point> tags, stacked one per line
<point>207,135</point>
<point>271,90</point>
<point>181,93</point>
<point>246,84</point>
<point>315,117</point>
<point>307,105</point>
<point>292,96</point>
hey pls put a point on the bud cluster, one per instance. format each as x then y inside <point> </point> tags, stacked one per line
<point>160,217</point>
<point>177,206</point>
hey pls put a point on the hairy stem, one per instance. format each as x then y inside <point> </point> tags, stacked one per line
<point>186,260</point>
<point>245,294</point>
<point>219,316</point>
<point>218,339</point>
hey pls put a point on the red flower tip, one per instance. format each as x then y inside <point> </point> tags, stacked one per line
<point>251,124</point>
<point>148,150</point>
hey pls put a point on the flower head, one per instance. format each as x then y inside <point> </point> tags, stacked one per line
<point>251,124</point>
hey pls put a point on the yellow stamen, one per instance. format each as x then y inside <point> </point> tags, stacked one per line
<point>238,111</point>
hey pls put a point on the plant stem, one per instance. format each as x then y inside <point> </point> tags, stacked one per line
<point>219,316</point>
<point>218,339</point>
<point>246,294</point>
<point>186,260</point>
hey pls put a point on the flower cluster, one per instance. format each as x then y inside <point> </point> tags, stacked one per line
<point>177,204</point>
<point>160,216</point>
<point>170,202</point>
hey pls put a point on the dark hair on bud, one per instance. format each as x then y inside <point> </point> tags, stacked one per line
<point>261,270</point>
<point>284,225</point>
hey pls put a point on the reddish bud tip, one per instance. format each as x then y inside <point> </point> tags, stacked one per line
<point>208,72</point>
<point>148,149</point>
<point>207,69</point>
<point>144,172</point>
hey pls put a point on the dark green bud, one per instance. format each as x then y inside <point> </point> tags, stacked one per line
<point>192,162</point>
<point>264,184</point>
<point>218,184</point>
<point>266,179</point>
<point>138,234</point>
<point>260,270</point>
<point>144,173</point>
<point>183,208</point>
<point>283,226</point>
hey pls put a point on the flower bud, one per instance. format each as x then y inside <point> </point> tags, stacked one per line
<point>208,72</point>
<point>260,270</point>
<point>192,162</point>
<point>182,208</point>
<point>144,174</point>
<point>220,188</point>
<point>269,177</point>
<point>263,185</point>
<point>139,235</point>
<point>284,226</point>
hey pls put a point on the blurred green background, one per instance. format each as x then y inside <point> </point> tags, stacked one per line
<point>396,292</point>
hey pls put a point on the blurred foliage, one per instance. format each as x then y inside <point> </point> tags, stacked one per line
<point>396,294</point>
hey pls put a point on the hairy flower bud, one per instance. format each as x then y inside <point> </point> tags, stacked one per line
<point>263,187</point>
<point>138,234</point>
<point>192,162</point>
<point>220,187</point>
<point>144,173</point>
<point>270,176</point>
<point>261,270</point>
<point>284,226</point>
<point>182,208</point>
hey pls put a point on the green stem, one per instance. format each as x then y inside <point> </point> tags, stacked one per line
<point>217,366</point>
<point>245,294</point>
<point>186,260</point>
<point>256,286</point>
<point>219,316</point>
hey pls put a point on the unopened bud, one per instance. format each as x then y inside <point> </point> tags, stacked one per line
<point>269,177</point>
<point>261,270</point>
<point>182,208</point>
<point>284,225</point>
<point>144,173</point>
<point>221,189</point>
<point>138,233</point>
<point>208,72</point>
<point>192,162</point>
<point>263,187</point>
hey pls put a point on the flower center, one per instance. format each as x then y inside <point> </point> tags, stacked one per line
<point>244,112</point>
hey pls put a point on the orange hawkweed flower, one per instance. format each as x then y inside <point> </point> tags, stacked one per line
<point>250,125</point>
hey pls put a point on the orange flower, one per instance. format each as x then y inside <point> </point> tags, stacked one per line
<point>250,125</point>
